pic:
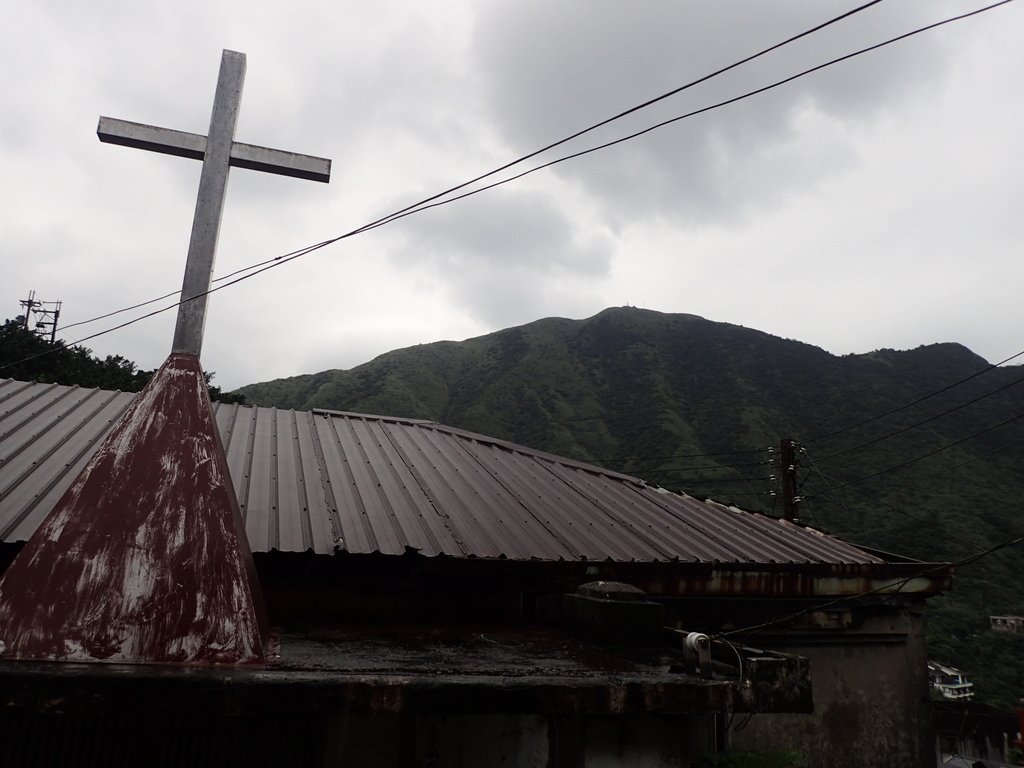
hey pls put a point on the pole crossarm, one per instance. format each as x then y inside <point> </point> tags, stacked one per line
<point>193,146</point>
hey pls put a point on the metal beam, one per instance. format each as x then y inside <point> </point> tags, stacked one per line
<point>213,186</point>
<point>193,146</point>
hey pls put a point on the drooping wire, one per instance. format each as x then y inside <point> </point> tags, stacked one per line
<point>694,113</point>
<point>119,311</point>
<point>947,446</point>
<point>832,484</point>
<point>894,586</point>
<point>685,456</point>
<point>710,480</point>
<point>548,147</point>
<point>909,427</point>
<point>921,399</point>
<point>712,467</point>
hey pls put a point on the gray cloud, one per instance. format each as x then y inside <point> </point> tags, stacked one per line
<point>504,254</point>
<point>889,182</point>
<point>555,68</point>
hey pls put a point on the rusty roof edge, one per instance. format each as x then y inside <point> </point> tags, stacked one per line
<point>776,520</point>
<point>783,523</point>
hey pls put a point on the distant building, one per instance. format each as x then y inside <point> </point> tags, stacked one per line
<point>950,682</point>
<point>1007,623</point>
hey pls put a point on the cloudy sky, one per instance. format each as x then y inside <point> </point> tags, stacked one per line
<point>875,203</point>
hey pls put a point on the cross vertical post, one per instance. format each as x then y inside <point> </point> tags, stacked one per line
<point>213,185</point>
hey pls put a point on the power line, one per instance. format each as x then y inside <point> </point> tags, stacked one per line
<point>721,467</point>
<point>928,523</point>
<point>932,453</point>
<point>917,401</point>
<point>763,478</point>
<point>713,467</point>
<point>686,455</point>
<point>898,584</point>
<point>553,145</point>
<point>944,471</point>
<point>120,311</point>
<point>900,431</point>
<point>708,108</point>
<point>746,494</point>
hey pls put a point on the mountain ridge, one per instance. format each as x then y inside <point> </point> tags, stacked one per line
<point>911,451</point>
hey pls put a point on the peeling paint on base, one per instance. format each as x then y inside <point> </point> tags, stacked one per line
<point>144,558</point>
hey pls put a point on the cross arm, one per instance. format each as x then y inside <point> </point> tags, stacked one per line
<point>192,145</point>
<point>149,137</point>
<point>281,162</point>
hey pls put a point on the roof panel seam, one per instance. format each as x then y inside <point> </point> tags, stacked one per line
<point>609,510</point>
<point>86,447</point>
<point>305,526</point>
<point>243,502</point>
<point>35,414</point>
<point>44,389</point>
<point>425,489</point>
<point>527,508</point>
<point>333,520</point>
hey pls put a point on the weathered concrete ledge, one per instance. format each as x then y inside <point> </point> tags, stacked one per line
<point>400,670</point>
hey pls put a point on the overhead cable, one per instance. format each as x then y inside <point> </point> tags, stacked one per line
<point>921,399</point>
<point>892,587</point>
<point>947,446</point>
<point>553,145</point>
<point>909,427</point>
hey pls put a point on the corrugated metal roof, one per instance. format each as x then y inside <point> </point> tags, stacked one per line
<point>330,482</point>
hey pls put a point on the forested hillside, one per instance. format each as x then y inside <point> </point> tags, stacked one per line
<point>27,356</point>
<point>695,405</point>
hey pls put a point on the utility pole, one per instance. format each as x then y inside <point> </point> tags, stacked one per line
<point>787,450</point>
<point>32,306</point>
<point>29,304</point>
<point>50,318</point>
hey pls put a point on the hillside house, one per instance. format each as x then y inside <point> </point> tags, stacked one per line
<point>949,682</point>
<point>1006,623</point>
<point>417,577</point>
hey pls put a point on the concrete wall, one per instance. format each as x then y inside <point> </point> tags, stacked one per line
<point>132,738</point>
<point>522,741</point>
<point>871,701</point>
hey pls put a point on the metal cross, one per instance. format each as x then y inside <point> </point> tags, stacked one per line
<point>218,151</point>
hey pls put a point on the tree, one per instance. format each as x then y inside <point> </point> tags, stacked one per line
<point>29,357</point>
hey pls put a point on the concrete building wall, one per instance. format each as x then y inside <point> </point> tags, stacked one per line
<point>519,740</point>
<point>871,700</point>
<point>134,738</point>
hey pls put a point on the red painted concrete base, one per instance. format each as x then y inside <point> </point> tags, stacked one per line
<point>144,559</point>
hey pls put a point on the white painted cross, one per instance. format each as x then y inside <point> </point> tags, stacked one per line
<point>218,151</point>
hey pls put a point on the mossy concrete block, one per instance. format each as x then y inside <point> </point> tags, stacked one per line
<point>610,613</point>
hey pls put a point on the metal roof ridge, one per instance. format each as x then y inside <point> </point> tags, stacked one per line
<point>354,415</point>
<point>489,440</point>
<point>456,431</point>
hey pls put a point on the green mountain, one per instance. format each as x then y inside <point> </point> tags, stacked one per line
<point>694,405</point>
